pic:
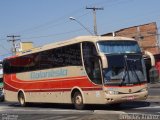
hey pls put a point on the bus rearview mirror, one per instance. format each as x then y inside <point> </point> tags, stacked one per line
<point>104,60</point>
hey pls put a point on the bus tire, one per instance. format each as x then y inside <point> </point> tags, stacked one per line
<point>21,99</point>
<point>116,105</point>
<point>78,101</point>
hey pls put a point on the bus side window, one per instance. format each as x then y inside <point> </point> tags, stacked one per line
<point>91,62</point>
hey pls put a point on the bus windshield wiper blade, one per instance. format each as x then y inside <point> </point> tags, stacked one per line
<point>126,70</point>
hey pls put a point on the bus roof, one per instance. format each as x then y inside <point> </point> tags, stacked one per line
<point>71,41</point>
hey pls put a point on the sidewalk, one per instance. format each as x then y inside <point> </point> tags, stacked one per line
<point>153,99</point>
<point>154,85</point>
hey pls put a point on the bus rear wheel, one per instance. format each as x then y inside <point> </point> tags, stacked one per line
<point>78,101</point>
<point>21,99</point>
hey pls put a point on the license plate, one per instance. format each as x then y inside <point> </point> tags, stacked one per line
<point>130,97</point>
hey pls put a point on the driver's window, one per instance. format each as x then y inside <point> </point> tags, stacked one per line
<point>91,62</point>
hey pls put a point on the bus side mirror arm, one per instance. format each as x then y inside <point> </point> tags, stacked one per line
<point>151,56</point>
<point>104,60</point>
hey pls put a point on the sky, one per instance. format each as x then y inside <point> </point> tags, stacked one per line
<point>47,21</point>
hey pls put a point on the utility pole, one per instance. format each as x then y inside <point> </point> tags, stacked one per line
<point>94,17</point>
<point>13,40</point>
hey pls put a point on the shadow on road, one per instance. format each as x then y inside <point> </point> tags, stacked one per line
<point>117,107</point>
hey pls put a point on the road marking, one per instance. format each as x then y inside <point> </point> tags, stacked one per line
<point>52,118</point>
<point>44,111</point>
<point>4,107</point>
<point>151,107</point>
<point>69,118</point>
<point>108,112</point>
<point>51,110</point>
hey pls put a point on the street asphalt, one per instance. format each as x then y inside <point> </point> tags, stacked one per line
<point>154,92</point>
<point>154,85</point>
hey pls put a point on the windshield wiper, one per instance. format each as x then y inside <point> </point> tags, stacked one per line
<point>134,70</point>
<point>127,70</point>
<point>123,77</point>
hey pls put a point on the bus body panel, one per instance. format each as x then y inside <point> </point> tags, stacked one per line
<point>55,85</point>
<point>52,90</point>
<point>90,97</point>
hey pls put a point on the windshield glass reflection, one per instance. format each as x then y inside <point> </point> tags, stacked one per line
<point>111,47</point>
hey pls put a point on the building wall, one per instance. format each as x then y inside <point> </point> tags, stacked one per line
<point>23,46</point>
<point>146,35</point>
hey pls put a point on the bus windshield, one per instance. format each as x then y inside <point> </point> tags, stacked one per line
<point>124,70</point>
<point>125,62</point>
<point>120,46</point>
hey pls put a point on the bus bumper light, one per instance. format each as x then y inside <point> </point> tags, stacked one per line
<point>109,99</point>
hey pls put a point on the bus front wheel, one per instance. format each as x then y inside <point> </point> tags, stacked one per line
<point>21,99</point>
<point>78,101</point>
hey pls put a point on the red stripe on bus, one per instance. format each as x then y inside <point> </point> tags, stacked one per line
<point>49,84</point>
<point>10,88</point>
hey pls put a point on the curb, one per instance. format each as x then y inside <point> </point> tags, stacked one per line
<point>108,112</point>
<point>153,97</point>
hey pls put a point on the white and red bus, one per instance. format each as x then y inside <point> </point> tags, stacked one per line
<point>83,70</point>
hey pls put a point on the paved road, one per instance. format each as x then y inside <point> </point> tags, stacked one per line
<point>141,109</point>
<point>154,91</point>
<point>147,110</point>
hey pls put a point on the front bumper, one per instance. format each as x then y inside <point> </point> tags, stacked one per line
<point>120,98</point>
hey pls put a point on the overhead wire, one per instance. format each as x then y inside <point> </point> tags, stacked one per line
<point>52,35</point>
<point>6,54</point>
<point>110,4</point>
<point>47,24</point>
<point>147,15</point>
<point>2,39</point>
<point>61,19</point>
<point>60,23</point>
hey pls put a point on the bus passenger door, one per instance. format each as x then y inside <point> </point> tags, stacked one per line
<point>92,63</point>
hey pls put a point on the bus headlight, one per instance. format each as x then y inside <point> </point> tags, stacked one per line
<point>143,90</point>
<point>112,92</point>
